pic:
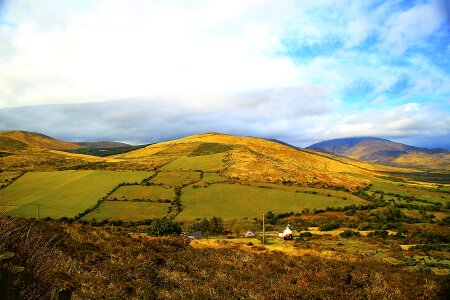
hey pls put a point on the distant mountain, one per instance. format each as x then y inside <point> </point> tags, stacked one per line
<point>386,152</point>
<point>103,144</point>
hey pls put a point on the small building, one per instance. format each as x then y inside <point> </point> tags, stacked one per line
<point>249,234</point>
<point>195,235</point>
<point>287,233</point>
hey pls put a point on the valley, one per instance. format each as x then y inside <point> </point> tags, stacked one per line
<point>342,210</point>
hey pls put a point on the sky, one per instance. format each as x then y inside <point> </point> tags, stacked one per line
<point>299,71</point>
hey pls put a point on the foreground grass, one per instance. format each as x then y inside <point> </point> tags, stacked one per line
<point>61,193</point>
<point>169,268</point>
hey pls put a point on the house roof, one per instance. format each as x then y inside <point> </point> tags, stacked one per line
<point>197,234</point>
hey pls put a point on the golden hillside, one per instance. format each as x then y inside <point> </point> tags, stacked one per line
<point>386,152</point>
<point>33,139</point>
<point>253,159</point>
<point>425,160</point>
<point>30,151</point>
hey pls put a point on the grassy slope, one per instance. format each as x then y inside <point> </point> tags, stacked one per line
<point>64,193</point>
<point>425,160</point>
<point>252,159</point>
<point>34,139</point>
<point>176,178</point>
<point>143,192</point>
<point>369,150</point>
<point>238,201</point>
<point>128,211</point>
<point>212,162</point>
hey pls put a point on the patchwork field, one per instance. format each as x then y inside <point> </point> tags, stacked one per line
<point>61,193</point>
<point>142,192</point>
<point>233,201</point>
<point>128,211</point>
<point>176,178</point>
<point>419,192</point>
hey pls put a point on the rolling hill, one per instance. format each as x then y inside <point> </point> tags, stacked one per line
<point>31,151</point>
<point>253,159</point>
<point>198,176</point>
<point>244,158</point>
<point>33,140</point>
<point>386,152</point>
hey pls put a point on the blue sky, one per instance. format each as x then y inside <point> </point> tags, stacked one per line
<point>300,71</point>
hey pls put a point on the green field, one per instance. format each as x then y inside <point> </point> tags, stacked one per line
<point>176,178</point>
<point>410,190</point>
<point>213,177</point>
<point>142,192</point>
<point>233,201</point>
<point>128,211</point>
<point>61,193</point>
<point>211,162</point>
<point>317,191</point>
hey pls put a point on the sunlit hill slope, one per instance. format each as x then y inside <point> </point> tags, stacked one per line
<point>382,151</point>
<point>252,159</point>
<point>235,157</point>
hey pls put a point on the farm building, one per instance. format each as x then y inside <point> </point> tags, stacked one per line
<point>249,234</point>
<point>195,235</point>
<point>287,233</point>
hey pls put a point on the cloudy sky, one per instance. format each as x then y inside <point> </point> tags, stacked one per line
<point>300,71</point>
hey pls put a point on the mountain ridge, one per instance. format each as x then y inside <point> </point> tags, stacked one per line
<point>386,152</point>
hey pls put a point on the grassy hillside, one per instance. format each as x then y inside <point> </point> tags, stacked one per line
<point>248,158</point>
<point>386,152</point>
<point>33,139</point>
<point>194,177</point>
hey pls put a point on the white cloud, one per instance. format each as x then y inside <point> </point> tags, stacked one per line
<point>358,30</point>
<point>409,27</point>
<point>117,50</point>
<point>187,61</point>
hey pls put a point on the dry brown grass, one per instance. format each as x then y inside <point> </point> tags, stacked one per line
<point>45,268</point>
<point>113,264</point>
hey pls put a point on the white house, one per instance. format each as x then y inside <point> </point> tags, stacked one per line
<point>287,233</point>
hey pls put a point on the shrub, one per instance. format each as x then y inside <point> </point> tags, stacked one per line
<point>306,234</point>
<point>346,233</point>
<point>161,227</point>
<point>388,226</point>
<point>329,226</point>
<point>379,233</point>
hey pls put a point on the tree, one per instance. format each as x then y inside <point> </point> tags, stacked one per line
<point>160,227</point>
<point>216,226</point>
